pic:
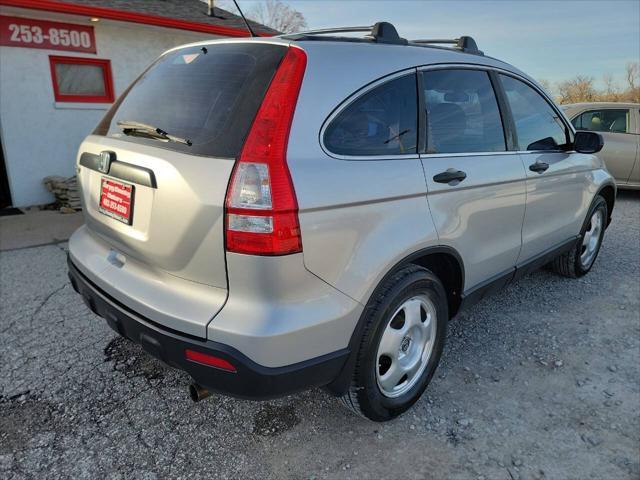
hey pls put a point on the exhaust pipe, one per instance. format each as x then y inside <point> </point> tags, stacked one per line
<point>197,392</point>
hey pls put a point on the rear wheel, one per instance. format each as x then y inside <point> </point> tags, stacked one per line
<point>579,260</point>
<point>404,334</point>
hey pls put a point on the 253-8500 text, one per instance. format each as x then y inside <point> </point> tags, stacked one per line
<point>55,36</point>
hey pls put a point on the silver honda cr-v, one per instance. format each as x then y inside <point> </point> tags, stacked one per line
<point>310,210</point>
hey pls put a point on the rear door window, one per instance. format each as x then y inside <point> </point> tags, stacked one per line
<point>384,121</point>
<point>538,125</point>
<point>613,121</point>
<point>462,112</point>
<point>208,95</point>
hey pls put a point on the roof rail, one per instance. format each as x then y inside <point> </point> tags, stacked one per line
<point>321,31</point>
<point>464,43</point>
<point>380,32</point>
<point>384,32</point>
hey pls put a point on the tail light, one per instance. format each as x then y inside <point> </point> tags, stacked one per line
<point>261,207</point>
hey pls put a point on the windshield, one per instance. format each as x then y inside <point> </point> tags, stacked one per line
<point>208,95</point>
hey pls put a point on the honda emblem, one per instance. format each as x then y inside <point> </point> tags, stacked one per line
<point>104,161</point>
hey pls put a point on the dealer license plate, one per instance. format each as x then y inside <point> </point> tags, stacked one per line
<point>116,200</point>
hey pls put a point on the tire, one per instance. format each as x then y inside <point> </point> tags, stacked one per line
<point>576,263</point>
<point>409,311</point>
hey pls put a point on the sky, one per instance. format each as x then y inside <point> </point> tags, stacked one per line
<point>548,39</point>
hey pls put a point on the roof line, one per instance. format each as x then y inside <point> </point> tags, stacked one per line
<point>125,16</point>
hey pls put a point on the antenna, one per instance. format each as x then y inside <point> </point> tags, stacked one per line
<point>251,32</point>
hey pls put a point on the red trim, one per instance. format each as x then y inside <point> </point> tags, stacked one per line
<point>108,97</point>
<point>124,16</point>
<point>209,360</point>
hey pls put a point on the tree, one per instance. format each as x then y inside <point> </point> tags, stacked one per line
<point>611,93</point>
<point>272,13</point>
<point>278,15</point>
<point>632,74</point>
<point>633,92</point>
<point>579,89</point>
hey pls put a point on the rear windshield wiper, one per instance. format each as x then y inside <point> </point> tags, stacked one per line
<point>133,128</point>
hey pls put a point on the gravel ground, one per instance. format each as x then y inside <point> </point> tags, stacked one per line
<point>539,382</point>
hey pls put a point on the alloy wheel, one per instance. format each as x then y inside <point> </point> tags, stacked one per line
<point>591,239</point>
<point>405,346</point>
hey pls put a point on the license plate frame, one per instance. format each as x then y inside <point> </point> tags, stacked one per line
<point>119,203</point>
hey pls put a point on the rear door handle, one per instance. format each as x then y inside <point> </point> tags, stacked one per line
<point>539,167</point>
<point>449,176</point>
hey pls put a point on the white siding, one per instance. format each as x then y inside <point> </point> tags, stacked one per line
<point>41,137</point>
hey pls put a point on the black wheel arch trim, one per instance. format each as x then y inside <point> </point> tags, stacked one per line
<point>432,250</point>
<point>340,385</point>
<point>602,187</point>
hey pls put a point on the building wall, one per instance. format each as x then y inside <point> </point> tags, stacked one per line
<point>40,137</point>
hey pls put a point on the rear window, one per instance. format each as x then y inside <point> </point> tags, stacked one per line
<point>207,95</point>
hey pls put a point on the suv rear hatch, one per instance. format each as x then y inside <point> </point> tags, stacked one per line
<point>155,172</point>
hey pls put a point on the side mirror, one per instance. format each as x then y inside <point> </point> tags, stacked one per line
<point>588,142</point>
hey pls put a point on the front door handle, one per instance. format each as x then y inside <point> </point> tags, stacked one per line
<point>539,167</point>
<point>450,176</point>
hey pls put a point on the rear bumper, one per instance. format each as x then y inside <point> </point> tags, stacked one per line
<point>251,380</point>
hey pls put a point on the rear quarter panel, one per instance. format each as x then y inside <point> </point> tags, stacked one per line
<point>358,217</point>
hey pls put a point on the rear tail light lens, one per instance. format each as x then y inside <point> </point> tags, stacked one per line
<point>251,186</point>
<point>209,360</point>
<point>250,223</point>
<point>261,205</point>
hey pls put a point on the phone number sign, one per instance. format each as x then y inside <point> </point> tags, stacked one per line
<point>31,33</point>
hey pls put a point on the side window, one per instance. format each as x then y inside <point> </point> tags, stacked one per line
<point>381,122</point>
<point>462,112</point>
<point>577,122</point>
<point>537,124</point>
<point>615,121</point>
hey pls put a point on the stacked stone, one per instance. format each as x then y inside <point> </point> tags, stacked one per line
<point>66,192</point>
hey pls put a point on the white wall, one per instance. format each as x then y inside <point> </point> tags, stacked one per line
<point>41,137</point>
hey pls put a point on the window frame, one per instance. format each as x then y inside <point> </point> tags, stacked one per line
<point>107,76</point>
<point>626,109</point>
<point>357,95</point>
<point>508,127</point>
<point>503,105</point>
<point>576,118</point>
<point>569,130</point>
